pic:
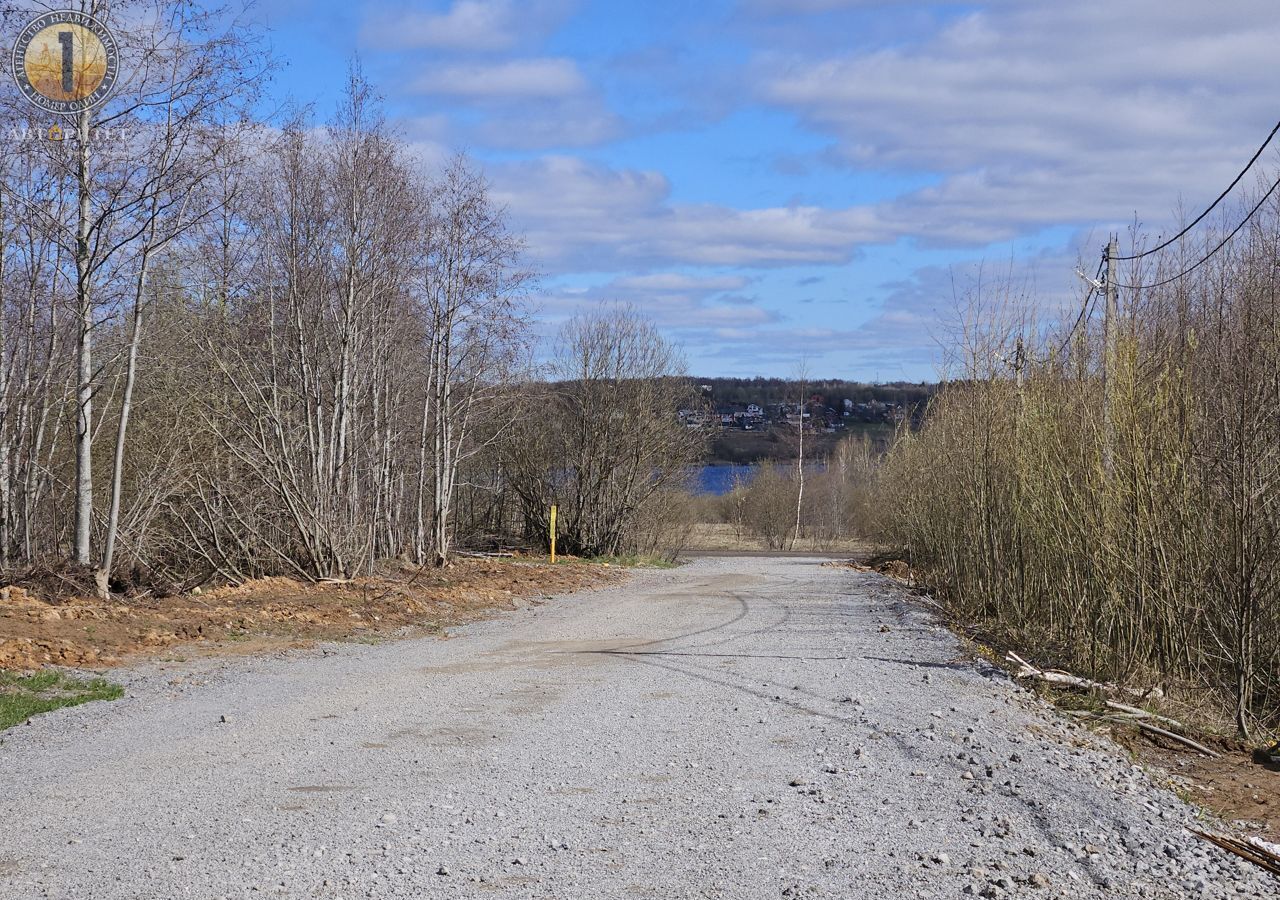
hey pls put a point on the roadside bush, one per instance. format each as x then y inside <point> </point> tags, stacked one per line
<point>1141,546</point>
<point>769,506</point>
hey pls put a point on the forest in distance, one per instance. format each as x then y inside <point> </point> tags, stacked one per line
<point>763,390</point>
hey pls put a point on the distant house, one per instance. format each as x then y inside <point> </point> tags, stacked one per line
<point>694,418</point>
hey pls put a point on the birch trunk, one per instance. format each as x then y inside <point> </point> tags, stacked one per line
<point>84,348</point>
<point>102,576</point>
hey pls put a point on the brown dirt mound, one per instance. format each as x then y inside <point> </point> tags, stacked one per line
<point>87,632</point>
<point>891,566</point>
<point>895,568</point>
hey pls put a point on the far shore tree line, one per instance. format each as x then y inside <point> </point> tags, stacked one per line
<point>769,391</point>
<point>232,350</point>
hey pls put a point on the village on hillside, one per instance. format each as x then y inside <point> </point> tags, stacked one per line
<point>818,413</point>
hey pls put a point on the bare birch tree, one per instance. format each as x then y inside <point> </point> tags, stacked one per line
<point>181,115</point>
<point>472,282</point>
<point>178,63</point>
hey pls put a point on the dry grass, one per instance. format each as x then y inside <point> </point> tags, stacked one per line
<point>721,536</point>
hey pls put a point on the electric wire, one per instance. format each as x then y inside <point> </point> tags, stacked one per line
<point>1084,308</point>
<point>1212,206</point>
<point>1211,254</point>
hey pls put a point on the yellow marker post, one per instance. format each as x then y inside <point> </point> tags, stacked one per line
<point>553,532</point>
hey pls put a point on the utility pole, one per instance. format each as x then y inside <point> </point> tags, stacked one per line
<point>1110,328</point>
<point>1020,363</point>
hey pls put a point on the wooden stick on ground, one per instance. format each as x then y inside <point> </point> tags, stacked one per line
<point>1138,722</point>
<point>1243,849</point>
<point>1030,671</point>
<point>1146,714</point>
<point>1060,677</point>
<point>1147,726</point>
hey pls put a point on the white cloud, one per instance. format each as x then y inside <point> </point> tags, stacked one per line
<point>552,124</point>
<point>1041,116</point>
<point>676,281</point>
<point>582,216</point>
<point>507,80</point>
<point>470,25</point>
<point>680,303</point>
<point>784,7</point>
<point>1045,113</point>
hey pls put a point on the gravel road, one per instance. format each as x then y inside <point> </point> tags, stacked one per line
<point>734,728</point>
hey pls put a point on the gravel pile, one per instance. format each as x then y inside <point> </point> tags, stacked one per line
<point>735,728</point>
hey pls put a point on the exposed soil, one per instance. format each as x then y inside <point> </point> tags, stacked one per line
<point>271,612</point>
<point>1235,787</point>
<point>869,561</point>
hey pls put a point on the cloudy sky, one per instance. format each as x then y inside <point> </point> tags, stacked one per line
<point>778,180</point>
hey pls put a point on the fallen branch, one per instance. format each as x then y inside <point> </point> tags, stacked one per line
<point>924,598</point>
<point>1138,718</point>
<point>1146,714</point>
<point>1186,741</point>
<point>1266,846</point>
<point>1030,671</point>
<point>1259,856</point>
<point>1054,676</point>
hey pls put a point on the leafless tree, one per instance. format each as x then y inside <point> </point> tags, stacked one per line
<point>608,441</point>
<point>127,170</point>
<point>1138,544</point>
<point>308,374</point>
<point>802,377</point>
<point>184,134</point>
<point>472,283</point>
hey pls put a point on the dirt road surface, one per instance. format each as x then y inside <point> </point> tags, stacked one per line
<point>734,728</point>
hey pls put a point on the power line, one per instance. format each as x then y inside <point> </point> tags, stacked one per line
<point>1084,307</point>
<point>1212,206</point>
<point>1208,256</point>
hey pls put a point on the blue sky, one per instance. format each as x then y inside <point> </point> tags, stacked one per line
<point>778,181</point>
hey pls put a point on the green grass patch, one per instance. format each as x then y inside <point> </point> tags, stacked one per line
<point>24,696</point>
